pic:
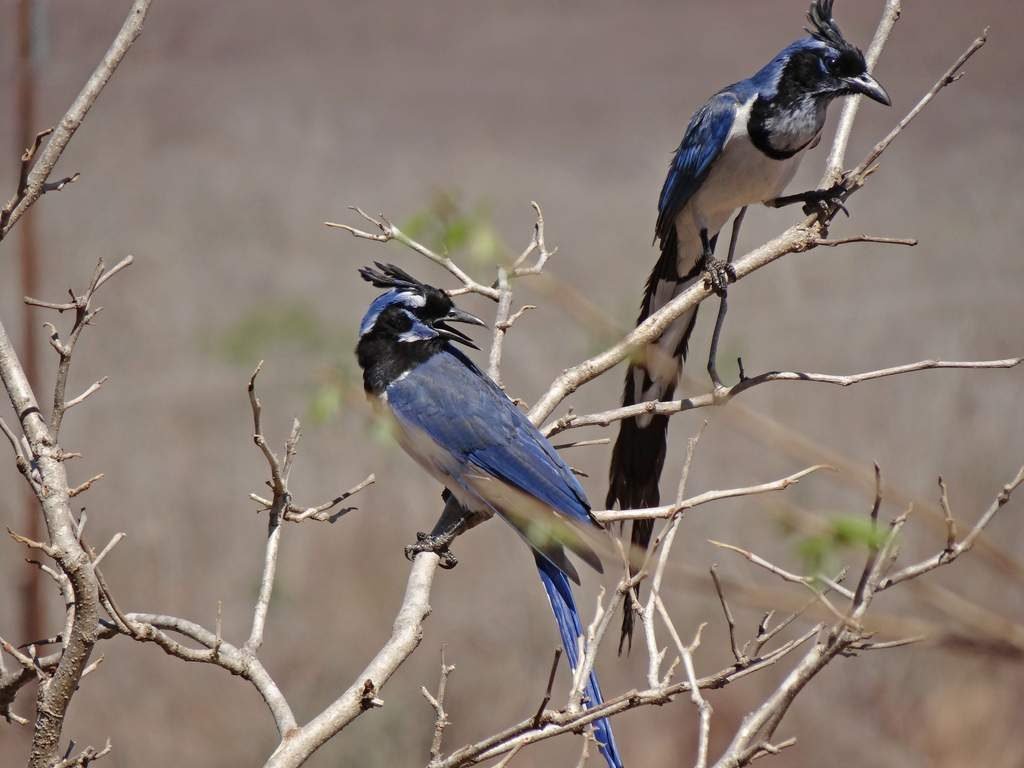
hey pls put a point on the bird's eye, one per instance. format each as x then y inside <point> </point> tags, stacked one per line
<point>831,65</point>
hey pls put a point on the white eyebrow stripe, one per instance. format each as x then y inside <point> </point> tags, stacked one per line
<point>390,298</point>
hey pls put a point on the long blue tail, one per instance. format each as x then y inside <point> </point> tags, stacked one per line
<point>556,584</point>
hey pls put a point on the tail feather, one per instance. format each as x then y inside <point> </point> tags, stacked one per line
<point>639,452</point>
<point>570,628</point>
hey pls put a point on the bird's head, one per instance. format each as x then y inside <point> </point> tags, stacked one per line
<point>411,312</point>
<point>826,65</point>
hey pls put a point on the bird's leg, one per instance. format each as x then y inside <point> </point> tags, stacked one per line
<point>437,543</point>
<point>723,306</point>
<point>815,200</point>
<point>717,273</point>
<point>454,521</point>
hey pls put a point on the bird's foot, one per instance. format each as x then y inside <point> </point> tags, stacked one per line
<point>718,274</point>
<point>436,543</point>
<point>816,200</point>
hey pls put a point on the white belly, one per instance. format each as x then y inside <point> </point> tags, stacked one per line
<point>742,175</point>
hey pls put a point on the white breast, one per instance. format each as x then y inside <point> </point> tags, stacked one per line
<point>742,175</point>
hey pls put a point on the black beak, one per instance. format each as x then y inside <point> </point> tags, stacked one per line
<point>866,85</point>
<point>456,315</point>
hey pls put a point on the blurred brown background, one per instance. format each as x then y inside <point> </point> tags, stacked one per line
<point>234,129</point>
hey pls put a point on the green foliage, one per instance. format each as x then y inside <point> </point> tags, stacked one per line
<point>293,326</point>
<point>448,227</point>
<point>821,552</point>
<point>290,324</point>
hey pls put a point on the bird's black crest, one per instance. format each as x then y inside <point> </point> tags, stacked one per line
<point>390,276</point>
<point>823,26</point>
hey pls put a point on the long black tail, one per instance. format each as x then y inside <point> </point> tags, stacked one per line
<point>639,452</point>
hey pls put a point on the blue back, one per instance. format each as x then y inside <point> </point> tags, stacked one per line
<point>708,131</point>
<point>468,415</point>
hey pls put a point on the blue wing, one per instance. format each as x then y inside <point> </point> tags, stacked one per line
<point>471,420</point>
<point>702,143</point>
<point>478,429</point>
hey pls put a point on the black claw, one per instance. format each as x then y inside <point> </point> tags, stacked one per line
<point>448,560</point>
<point>425,542</point>
<point>718,275</point>
<point>817,201</point>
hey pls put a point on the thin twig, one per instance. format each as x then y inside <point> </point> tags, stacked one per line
<point>547,689</point>
<point>948,556</point>
<point>869,566</point>
<point>729,620</point>
<point>908,241</point>
<point>441,720</point>
<point>673,407</point>
<point>837,155</point>
<point>32,185</point>
<point>951,532</point>
<point>723,306</point>
<point>389,232</point>
<point>670,510</point>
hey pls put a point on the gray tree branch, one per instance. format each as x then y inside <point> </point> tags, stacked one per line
<point>35,183</point>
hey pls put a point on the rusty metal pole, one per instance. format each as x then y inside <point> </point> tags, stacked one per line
<point>25,130</point>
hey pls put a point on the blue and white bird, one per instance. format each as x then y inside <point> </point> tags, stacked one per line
<point>464,431</point>
<point>742,147</point>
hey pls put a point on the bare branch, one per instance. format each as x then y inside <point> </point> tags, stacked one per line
<point>85,757</point>
<point>91,390</point>
<point>64,547</point>
<point>537,245</point>
<point>858,174</point>
<point>837,155</point>
<point>951,532</point>
<point>663,545</point>
<point>807,581</point>
<point>722,396</point>
<point>406,635</point>
<point>948,555</point>
<point>153,628</point>
<point>437,702</point>
<point>321,512</point>
<point>867,239</point>
<point>31,544</point>
<point>501,325</point>
<point>279,473</point>
<point>106,550</point>
<point>557,723</point>
<point>869,566</point>
<point>547,690</point>
<point>703,707</point>
<point>668,511</point>
<point>729,620</point>
<point>34,183</point>
<point>80,489</point>
<point>389,232</point>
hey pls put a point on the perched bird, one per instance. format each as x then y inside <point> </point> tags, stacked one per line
<point>464,431</point>
<point>743,146</point>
